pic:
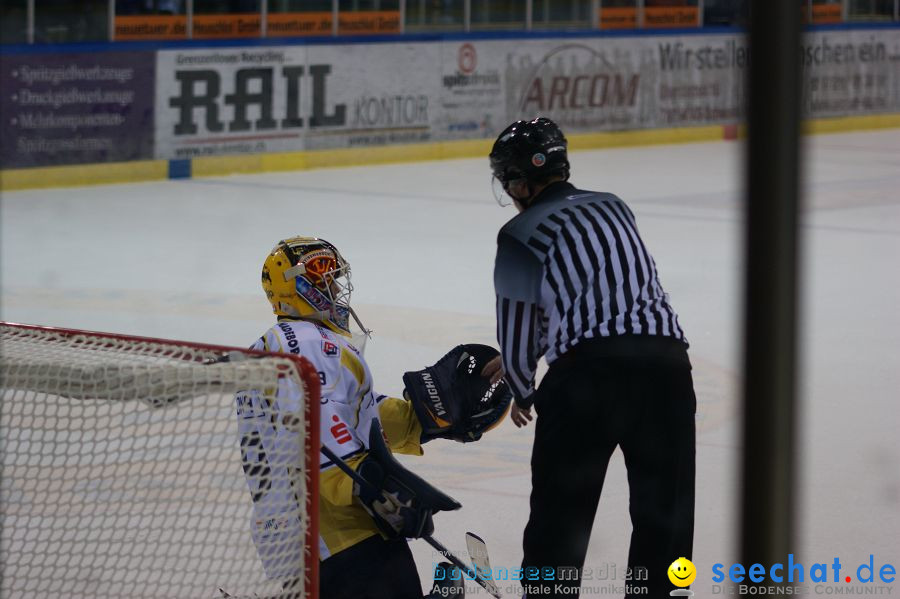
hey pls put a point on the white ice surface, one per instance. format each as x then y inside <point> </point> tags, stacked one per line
<point>181,259</point>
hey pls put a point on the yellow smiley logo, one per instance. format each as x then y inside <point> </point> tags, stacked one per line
<point>682,572</point>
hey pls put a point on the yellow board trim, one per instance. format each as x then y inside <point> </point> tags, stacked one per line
<point>153,170</point>
<point>84,174</point>
<point>292,161</point>
<point>644,137</point>
<point>851,123</point>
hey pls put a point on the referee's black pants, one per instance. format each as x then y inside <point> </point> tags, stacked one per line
<point>591,401</point>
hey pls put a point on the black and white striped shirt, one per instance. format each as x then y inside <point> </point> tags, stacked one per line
<point>573,267</point>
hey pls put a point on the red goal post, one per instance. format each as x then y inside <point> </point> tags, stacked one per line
<point>127,466</point>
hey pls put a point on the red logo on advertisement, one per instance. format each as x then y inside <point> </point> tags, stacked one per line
<point>329,348</point>
<point>467,58</point>
<point>340,432</point>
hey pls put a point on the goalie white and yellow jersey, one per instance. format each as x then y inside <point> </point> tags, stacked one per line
<point>348,406</point>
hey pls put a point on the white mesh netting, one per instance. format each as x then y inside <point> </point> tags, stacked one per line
<point>141,468</point>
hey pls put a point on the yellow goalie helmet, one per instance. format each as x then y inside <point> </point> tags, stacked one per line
<point>306,277</point>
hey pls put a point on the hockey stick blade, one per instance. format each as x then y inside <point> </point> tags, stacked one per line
<point>479,555</point>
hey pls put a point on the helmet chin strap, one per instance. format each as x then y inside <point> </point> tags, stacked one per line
<point>360,339</point>
<point>362,327</point>
<point>289,310</point>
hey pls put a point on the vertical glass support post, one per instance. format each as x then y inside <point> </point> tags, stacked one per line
<point>529,14</point>
<point>770,287</point>
<point>467,15</point>
<point>263,18</point>
<point>190,18</point>
<point>335,14</point>
<point>111,20</point>
<point>29,22</point>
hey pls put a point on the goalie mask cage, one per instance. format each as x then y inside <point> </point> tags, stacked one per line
<point>130,467</point>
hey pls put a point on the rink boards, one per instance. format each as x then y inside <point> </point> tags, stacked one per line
<point>111,113</point>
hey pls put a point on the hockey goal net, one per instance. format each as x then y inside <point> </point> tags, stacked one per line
<point>136,467</point>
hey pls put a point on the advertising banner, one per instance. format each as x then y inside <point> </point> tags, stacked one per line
<point>605,84</point>
<point>248,25</point>
<point>235,100</point>
<point>215,26</point>
<point>472,97</point>
<point>76,108</point>
<point>379,94</point>
<point>184,103</point>
<point>851,73</point>
<point>584,85</point>
<point>288,98</point>
<point>369,22</point>
<point>696,80</point>
<point>299,23</point>
<point>150,27</point>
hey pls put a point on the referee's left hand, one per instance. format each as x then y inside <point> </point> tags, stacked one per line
<point>520,416</point>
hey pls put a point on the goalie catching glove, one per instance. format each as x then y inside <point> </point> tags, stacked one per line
<point>453,400</point>
<point>400,502</point>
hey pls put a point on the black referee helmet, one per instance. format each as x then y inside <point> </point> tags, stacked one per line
<point>530,150</point>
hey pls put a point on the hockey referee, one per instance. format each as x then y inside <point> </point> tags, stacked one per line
<point>576,284</point>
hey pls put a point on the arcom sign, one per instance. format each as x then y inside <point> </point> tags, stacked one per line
<point>577,86</point>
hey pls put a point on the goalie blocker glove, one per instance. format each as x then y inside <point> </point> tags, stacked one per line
<point>453,400</point>
<point>400,502</point>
